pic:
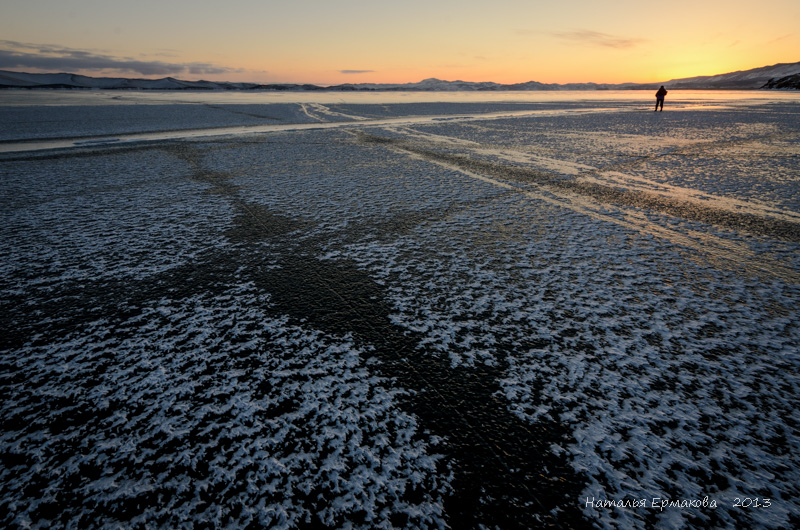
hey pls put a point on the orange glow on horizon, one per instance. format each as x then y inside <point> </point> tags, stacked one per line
<point>325,43</point>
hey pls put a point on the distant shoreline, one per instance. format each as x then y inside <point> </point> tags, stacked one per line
<point>271,89</point>
<point>778,76</point>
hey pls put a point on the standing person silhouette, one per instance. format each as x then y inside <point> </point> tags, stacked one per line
<point>660,97</point>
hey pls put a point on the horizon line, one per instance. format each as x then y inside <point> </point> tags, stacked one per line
<point>323,85</point>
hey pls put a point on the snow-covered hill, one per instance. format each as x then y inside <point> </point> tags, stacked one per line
<point>784,83</point>
<point>755,78</point>
<point>65,80</point>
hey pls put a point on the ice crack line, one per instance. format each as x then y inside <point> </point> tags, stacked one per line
<point>498,460</point>
<point>494,454</point>
<point>608,203</point>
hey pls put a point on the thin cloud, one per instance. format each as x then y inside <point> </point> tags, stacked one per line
<point>596,38</point>
<point>356,71</point>
<point>14,55</point>
<point>781,38</point>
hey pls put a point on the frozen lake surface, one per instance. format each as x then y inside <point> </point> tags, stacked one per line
<point>425,311</point>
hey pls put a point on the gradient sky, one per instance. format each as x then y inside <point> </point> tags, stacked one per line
<point>376,41</point>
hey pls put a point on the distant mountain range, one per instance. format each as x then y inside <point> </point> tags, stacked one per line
<point>782,76</point>
<point>747,79</point>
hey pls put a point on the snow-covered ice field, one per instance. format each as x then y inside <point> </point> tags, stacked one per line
<point>464,313</point>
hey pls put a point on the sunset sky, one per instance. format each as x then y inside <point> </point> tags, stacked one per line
<point>377,41</point>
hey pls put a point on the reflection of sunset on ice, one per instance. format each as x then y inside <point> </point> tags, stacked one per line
<point>484,314</point>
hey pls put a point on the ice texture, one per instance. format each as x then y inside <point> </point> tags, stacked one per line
<point>473,323</point>
<point>96,120</point>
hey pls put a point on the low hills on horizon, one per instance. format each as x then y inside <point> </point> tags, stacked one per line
<point>778,76</point>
